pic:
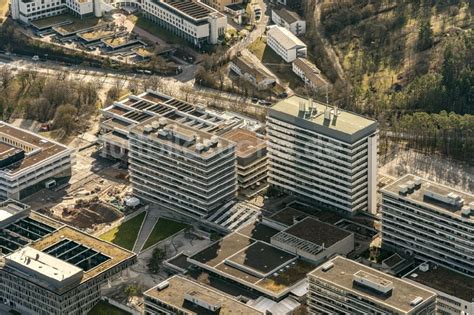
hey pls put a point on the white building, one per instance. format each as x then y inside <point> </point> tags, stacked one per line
<point>430,221</point>
<point>192,20</point>
<point>285,44</point>
<point>322,154</point>
<point>309,73</point>
<point>455,291</point>
<point>30,10</point>
<point>343,286</point>
<point>289,20</point>
<point>29,162</point>
<point>187,170</point>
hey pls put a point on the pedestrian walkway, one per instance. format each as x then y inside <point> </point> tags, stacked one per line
<point>145,231</point>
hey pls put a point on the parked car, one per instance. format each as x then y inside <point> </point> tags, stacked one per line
<point>254,100</point>
<point>265,103</point>
<point>35,58</point>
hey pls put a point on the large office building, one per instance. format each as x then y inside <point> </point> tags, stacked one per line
<point>343,286</point>
<point>322,154</point>
<point>192,20</point>
<point>285,44</point>
<point>430,221</point>
<point>59,271</point>
<point>455,291</point>
<point>179,295</point>
<point>29,162</point>
<point>186,169</point>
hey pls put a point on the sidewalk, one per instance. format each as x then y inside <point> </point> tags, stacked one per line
<point>145,231</point>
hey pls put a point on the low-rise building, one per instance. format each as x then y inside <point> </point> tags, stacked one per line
<point>247,258</point>
<point>59,273</point>
<point>314,240</point>
<point>309,73</point>
<point>431,221</point>
<point>29,162</point>
<point>455,291</point>
<point>285,44</point>
<point>343,286</point>
<point>289,20</point>
<point>252,161</point>
<point>179,295</point>
<point>259,78</point>
<point>183,168</point>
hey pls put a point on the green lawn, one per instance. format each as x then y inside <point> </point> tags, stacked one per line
<point>104,308</point>
<point>163,229</point>
<point>126,233</point>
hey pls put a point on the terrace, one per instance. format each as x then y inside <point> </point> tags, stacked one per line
<point>77,24</point>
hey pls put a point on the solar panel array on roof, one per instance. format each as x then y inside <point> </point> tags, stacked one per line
<point>192,8</point>
<point>76,254</point>
<point>137,116</point>
<point>22,232</point>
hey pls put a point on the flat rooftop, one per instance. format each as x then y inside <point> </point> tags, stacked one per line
<point>83,250</point>
<point>288,215</point>
<point>346,123</point>
<point>246,141</point>
<point>10,208</point>
<point>342,274</point>
<point>445,280</point>
<point>183,137</point>
<point>418,195</point>
<point>252,262</point>
<point>38,148</point>
<point>177,287</point>
<point>47,266</point>
<point>317,232</point>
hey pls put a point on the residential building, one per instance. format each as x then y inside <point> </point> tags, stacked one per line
<point>431,221</point>
<point>30,10</point>
<point>309,73</point>
<point>285,44</point>
<point>187,170</point>
<point>314,240</point>
<point>190,19</point>
<point>29,162</point>
<point>255,75</point>
<point>343,286</point>
<point>289,20</point>
<point>59,273</point>
<point>180,295</point>
<point>252,161</point>
<point>322,154</point>
<point>455,291</point>
<point>220,5</point>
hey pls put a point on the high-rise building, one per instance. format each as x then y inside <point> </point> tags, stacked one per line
<point>323,154</point>
<point>429,220</point>
<point>182,167</point>
<point>343,286</point>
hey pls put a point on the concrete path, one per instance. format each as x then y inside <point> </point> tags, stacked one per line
<point>147,226</point>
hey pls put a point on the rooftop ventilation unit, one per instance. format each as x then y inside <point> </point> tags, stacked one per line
<point>327,266</point>
<point>410,185</point>
<point>327,114</point>
<point>450,199</point>
<point>417,181</point>
<point>163,285</point>
<point>162,121</point>
<point>373,282</point>
<point>416,301</point>
<point>424,267</point>
<point>403,189</point>
<point>466,211</point>
<point>155,125</point>
<point>147,128</point>
<point>200,147</point>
